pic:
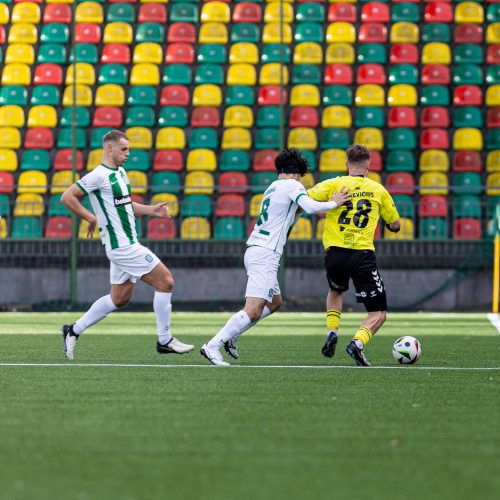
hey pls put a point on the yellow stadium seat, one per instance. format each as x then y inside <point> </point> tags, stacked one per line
<point>305,95</point>
<point>320,227</point>
<point>110,95</point>
<point>213,33</point>
<point>270,74</point>
<point>241,74</point>
<point>10,137</point>
<point>3,228</point>
<point>201,159</point>
<point>341,32</point>
<point>82,231</point>
<point>467,139</point>
<point>370,95</point>
<point>195,228</point>
<point>273,13</point>
<point>4,14</point>
<point>207,95</point>
<point>308,53</point>
<point>493,96</point>
<point>272,33</point>
<point>217,12</point>
<point>492,161</point>
<point>29,205</point>
<point>61,181</point>
<point>405,33</point>
<point>340,53</point>
<point>493,33</point>
<point>60,1</point>
<point>26,12</point>
<point>8,160</point>
<point>89,12</point>
<point>336,117</point>
<point>374,176</point>
<point>94,159</point>
<point>469,12</point>
<point>308,180</point>
<point>199,182</point>
<point>11,116</point>
<point>140,138</point>
<point>171,200</point>
<point>32,181</point>
<point>255,203</point>
<point>42,116</point>
<point>148,52</point>
<point>236,138</point>
<point>20,53</point>
<point>16,74</point>
<point>138,182</point>
<point>303,138</point>
<point>118,32</point>
<point>333,160</point>
<point>436,53</point>
<point>493,184</point>
<point>238,116</point>
<point>23,33</point>
<point>85,74</point>
<point>170,138</point>
<point>302,230</point>
<point>402,95</point>
<point>244,52</point>
<point>434,160</point>
<point>83,96</point>
<point>406,232</point>
<point>370,137</point>
<point>433,183</point>
<point>145,74</point>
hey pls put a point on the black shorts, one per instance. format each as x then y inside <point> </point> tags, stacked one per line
<point>343,264</point>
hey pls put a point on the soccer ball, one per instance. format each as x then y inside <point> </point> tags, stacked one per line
<point>406,350</point>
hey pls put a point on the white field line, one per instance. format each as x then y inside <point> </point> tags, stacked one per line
<point>495,321</point>
<point>301,367</point>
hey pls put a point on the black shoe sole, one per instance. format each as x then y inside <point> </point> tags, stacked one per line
<point>204,354</point>
<point>359,361</point>
<point>228,351</point>
<point>328,350</point>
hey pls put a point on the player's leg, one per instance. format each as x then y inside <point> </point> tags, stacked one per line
<point>333,312</point>
<point>161,279</point>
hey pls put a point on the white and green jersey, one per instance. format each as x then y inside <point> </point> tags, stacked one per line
<point>109,192</point>
<point>277,214</point>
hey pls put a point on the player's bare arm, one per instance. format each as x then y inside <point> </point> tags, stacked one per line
<point>394,226</point>
<point>159,210</point>
<point>340,197</point>
<point>71,200</point>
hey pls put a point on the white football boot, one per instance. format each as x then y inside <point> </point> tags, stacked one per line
<point>213,355</point>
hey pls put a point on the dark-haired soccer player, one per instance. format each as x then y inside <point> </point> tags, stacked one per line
<point>278,213</point>
<point>348,241</point>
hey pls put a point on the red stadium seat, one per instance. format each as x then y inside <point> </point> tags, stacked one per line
<point>2,34</point>
<point>400,183</point>
<point>493,118</point>
<point>181,32</point>
<point>152,13</point>
<point>438,12</point>
<point>107,116</point>
<point>48,73</point>
<point>179,53</point>
<point>338,74</point>
<point>432,205</point>
<point>6,182</point>
<point>436,74</point>
<point>64,158</point>
<point>375,12</point>
<point>375,161</point>
<point>205,116</point>
<point>304,116</point>
<point>270,95</point>
<point>39,138</point>
<point>57,13</point>
<point>264,160</point>
<point>467,161</point>
<point>492,53</point>
<point>434,138</point>
<point>115,53</point>
<point>87,33</point>
<point>468,33</point>
<point>372,33</point>
<point>168,160</point>
<point>233,183</point>
<point>230,205</point>
<point>247,12</point>
<point>402,116</point>
<point>251,225</point>
<point>467,95</point>
<point>371,73</point>
<point>58,227</point>
<point>467,228</point>
<point>162,229</point>
<point>435,116</point>
<point>174,95</point>
<point>342,12</point>
<point>404,53</point>
<point>138,198</point>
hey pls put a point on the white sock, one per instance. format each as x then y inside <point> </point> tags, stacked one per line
<point>359,344</point>
<point>235,325</point>
<point>163,307</point>
<point>265,312</point>
<point>98,310</point>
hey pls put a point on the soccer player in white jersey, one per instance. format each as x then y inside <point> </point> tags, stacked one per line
<point>278,213</point>
<point>109,190</point>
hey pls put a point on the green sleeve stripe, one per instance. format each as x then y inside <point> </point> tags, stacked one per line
<point>112,235</point>
<point>81,187</point>
<point>301,194</point>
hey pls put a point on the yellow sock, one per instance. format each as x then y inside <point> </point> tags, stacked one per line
<point>364,335</point>
<point>332,319</point>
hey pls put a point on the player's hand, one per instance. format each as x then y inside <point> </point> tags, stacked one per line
<point>161,210</point>
<point>341,196</point>
<point>91,228</point>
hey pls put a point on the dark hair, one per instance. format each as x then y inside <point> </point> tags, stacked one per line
<point>291,161</point>
<point>114,136</point>
<point>357,154</point>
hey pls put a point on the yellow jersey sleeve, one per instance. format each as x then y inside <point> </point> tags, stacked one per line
<point>322,191</point>
<point>388,210</point>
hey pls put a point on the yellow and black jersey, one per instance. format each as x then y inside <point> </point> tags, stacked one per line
<point>353,224</point>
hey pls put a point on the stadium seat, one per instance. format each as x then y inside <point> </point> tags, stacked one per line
<point>434,160</point>
<point>469,139</point>
<point>400,183</point>
<point>372,53</point>
<point>168,160</point>
<point>467,229</point>
<point>435,95</point>
<point>25,33</point>
<point>246,32</point>
<point>85,74</point>
<point>433,183</point>
<point>8,161</point>
<point>336,116</point>
<point>170,138</point>
<point>207,95</point>
<point>58,227</point>
<point>165,182</point>
<point>273,13</point>
<point>404,32</point>
<point>267,116</point>
<point>492,139</point>
<point>372,33</point>
<point>159,229</point>
<point>125,12</point>
<point>268,95</point>
<point>179,53</point>
<point>240,138</point>
<point>335,138</point>
<point>401,53</point>
<point>36,159</point>
<point>91,33</point>
<point>264,160</point>
<point>275,33</point>
<point>247,12</point>
<point>333,160</point>
<point>403,74</point>
<point>300,116</point>
<point>260,182</point>
<point>229,228</point>
<point>406,232</point>
<point>308,52</point>
<point>467,161</point>
<point>201,159</point>
<point>273,74</point>
<point>145,74</point>
<point>48,73</point>
<point>309,32</point>
<point>211,53</point>
<point>467,183</point>
<point>468,116</point>
<point>11,116</point>
<point>340,31</point>
<point>370,137</point>
<point>493,33</point>
<point>265,138</point>
<point>147,52</point>
<point>433,228</point>
<point>61,181</point>
<point>150,33</point>
<point>432,206</point>
<point>205,116</point>
<point>467,206</point>
<point>436,53</point>
<point>400,161</point>
<point>305,95</point>
<point>16,74</point>
<point>184,12</point>
<point>340,53</point>
<point>438,12</point>
<point>29,205</point>
<point>401,116</point>
<point>493,184</point>
<point>338,74</point>
<point>13,94</point>
<point>118,53</point>
<point>493,161</point>
<point>492,96</point>
<point>302,230</point>
<point>241,74</point>
<point>196,205</point>
<point>234,160</point>
<point>230,205</point>
<point>198,182</point>
<point>178,74</point>
<point>435,74</point>
<point>468,33</point>
<point>213,33</point>
<point>174,116</point>
<point>10,137</point>
<point>434,116</point>
<point>398,136</point>
<point>366,95</point>
<point>371,73</point>
<point>19,53</point>
<point>49,95</point>
<point>434,138</point>
<point>174,95</point>
<point>171,200</point>
<point>468,53</point>
<point>31,181</point>
<point>182,33</point>
<point>42,116</point>
<point>39,138</point>
<point>109,95</point>
<point>107,116</point>
<point>233,183</point>
<point>239,116</point>
<point>243,52</point>
<point>493,74</point>
<point>303,138</point>
<point>469,12</point>
<point>64,158</point>
<point>402,95</point>
<point>26,228</point>
<point>436,32</point>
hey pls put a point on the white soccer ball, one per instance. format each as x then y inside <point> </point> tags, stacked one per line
<point>406,350</point>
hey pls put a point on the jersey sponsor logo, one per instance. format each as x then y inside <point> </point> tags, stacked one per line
<point>124,200</point>
<point>148,258</point>
<point>270,190</point>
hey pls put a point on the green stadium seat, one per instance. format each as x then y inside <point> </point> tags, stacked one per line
<point>339,95</point>
<point>261,180</point>
<point>65,138</point>
<point>179,74</point>
<point>113,73</point>
<point>54,33</point>
<point>203,138</point>
<point>493,13</point>
<point>324,176</point>
<point>84,52</point>
<point>493,139</point>
<point>493,74</point>
<point>335,138</point>
<point>229,228</point>
<point>369,117</point>
<point>435,95</point>
<point>311,158</point>
<point>306,73</point>
<point>468,53</point>
<point>467,206</point>
<point>403,73</point>
<point>405,205</point>
<point>271,53</point>
<point>54,53</point>
<point>13,94</point>
<point>142,95</point>
<point>96,136</point>
<point>211,53</point>
<point>234,160</point>
<point>245,32</point>
<point>397,137</point>
<point>184,12</point>
<point>491,205</point>
<point>196,205</point>
<point>405,12</point>
<point>467,116</point>
<point>209,73</point>
<point>173,116</point>
<point>82,117</point>
<point>372,53</point>
<point>26,228</point>
<point>467,74</point>
<point>141,116</point>
<point>467,183</point>
<point>433,228</point>
<point>35,159</point>
<point>138,161</point>
<point>165,182</point>
<point>45,94</point>
<point>120,12</point>
<point>400,161</point>
<point>436,32</point>
<point>310,12</point>
<point>309,32</point>
<point>4,205</point>
<point>240,94</point>
<point>268,116</point>
<point>150,32</point>
<point>267,138</point>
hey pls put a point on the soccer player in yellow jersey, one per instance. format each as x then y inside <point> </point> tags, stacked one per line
<point>348,240</point>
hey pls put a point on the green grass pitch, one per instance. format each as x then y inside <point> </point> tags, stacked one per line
<point>285,423</point>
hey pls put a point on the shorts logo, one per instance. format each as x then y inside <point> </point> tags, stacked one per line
<point>378,281</point>
<point>148,258</point>
<point>361,294</point>
<point>270,293</point>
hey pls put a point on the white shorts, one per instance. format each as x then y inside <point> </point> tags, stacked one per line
<point>262,266</point>
<point>130,263</point>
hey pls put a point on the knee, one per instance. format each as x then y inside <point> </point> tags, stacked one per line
<point>121,301</point>
<point>275,304</point>
<point>254,313</point>
<point>167,284</point>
